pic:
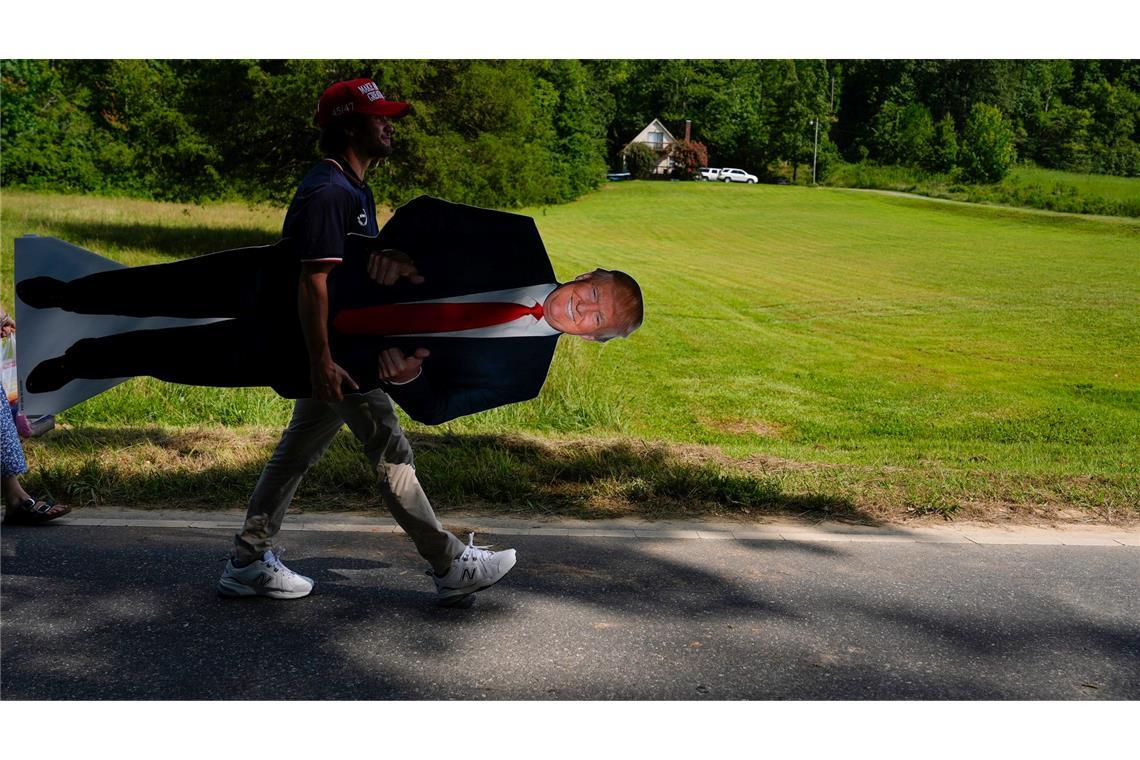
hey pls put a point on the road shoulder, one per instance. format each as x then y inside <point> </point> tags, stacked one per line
<point>696,530</point>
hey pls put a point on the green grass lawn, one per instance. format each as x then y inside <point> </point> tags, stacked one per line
<point>804,350</point>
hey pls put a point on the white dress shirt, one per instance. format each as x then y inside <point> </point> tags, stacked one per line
<point>525,326</point>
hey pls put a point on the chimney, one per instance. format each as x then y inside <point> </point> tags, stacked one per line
<point>688,129</point>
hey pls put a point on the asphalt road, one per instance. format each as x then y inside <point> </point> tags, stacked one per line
<point>131,613</point>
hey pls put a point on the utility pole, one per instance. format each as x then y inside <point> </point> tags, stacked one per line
<point>815,149</point>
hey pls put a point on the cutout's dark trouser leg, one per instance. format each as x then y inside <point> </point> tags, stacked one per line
<point>225,284</point>
<point>229,353</point>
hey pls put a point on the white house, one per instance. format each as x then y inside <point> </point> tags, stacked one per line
<point>659,139</point>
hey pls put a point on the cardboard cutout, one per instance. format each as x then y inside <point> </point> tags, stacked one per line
<point>230,318</point>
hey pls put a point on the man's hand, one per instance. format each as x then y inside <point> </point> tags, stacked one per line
<point>397,368</point>
<point>389,265</point>
<point>328,379</point>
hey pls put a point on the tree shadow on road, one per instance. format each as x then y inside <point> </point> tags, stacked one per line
<point>118,613</point>
<point>133,615</point>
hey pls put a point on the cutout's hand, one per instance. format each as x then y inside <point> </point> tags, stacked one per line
<point>389,265</point>
<point>7,326</point>
<point>328,378</point>
<point>397,368</point>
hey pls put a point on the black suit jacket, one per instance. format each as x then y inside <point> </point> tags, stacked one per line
<point>459,250</point>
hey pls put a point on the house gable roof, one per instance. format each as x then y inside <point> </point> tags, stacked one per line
<point>653,126</point>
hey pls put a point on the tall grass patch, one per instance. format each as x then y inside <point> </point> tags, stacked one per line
<point>1026,186</point>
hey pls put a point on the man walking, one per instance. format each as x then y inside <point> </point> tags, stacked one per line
<point>492,324</point>
<point>338,316</point>
<point>332,201</point>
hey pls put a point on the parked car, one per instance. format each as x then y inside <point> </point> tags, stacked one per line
<point>710,174</point>
<point>617,176</point>
<point>737,175</point>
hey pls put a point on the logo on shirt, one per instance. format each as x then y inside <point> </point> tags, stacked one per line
<point>362,220</point>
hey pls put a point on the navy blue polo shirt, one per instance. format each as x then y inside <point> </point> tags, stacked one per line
<point>329,204</point>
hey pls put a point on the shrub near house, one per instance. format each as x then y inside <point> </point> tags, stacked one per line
<point>640,160</point>
<point>688,158</point>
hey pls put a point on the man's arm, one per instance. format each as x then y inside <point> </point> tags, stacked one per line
<point>398,369</point>
<point>325,375</point>
<point>388,265</point>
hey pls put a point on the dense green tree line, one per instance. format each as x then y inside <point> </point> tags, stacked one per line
<point>492,133</point>
<point>1079,116</point>
<point>507,133</point>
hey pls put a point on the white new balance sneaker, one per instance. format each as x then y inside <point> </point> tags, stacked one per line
<point>473,570</point>
<point>264,577</point>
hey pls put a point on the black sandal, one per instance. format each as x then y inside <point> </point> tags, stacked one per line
<point>34,512</point>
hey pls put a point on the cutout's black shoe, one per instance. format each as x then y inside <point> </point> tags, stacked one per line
<point>41,292</point>
<point>49,375</point>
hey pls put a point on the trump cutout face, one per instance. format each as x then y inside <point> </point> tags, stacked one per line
<point>588,306</point>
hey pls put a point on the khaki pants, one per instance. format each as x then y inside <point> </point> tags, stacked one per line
<point>372,419</point>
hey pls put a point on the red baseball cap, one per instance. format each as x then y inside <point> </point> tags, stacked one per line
<point>356,96</point>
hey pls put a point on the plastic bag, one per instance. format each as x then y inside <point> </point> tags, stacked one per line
<point>11,385</point>
<point>8,370</point>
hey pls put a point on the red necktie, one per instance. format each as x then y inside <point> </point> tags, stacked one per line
<point>405,318</point>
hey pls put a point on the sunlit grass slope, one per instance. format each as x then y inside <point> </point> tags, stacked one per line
<point>841,326</point>
<point>873,345</point>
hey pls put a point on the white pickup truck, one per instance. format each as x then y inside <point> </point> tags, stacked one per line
<point>709,174</point>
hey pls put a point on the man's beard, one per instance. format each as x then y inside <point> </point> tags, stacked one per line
<point>381,149</point>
